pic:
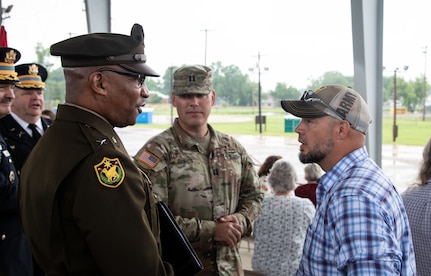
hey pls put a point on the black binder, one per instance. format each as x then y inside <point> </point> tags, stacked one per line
<point>176,248</point>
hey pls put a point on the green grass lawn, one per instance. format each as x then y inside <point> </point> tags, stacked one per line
<point>411,129</point>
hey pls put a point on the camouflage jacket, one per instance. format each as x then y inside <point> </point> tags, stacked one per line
<point>201,186</point>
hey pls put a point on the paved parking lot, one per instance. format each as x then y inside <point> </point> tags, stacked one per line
<point>400,163</point>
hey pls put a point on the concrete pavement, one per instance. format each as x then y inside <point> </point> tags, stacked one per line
<point>400,163</point>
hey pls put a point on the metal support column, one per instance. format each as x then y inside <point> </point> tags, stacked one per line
<point>98,16</point>
<point>367,33</point>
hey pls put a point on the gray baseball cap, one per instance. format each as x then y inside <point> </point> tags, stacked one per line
<point>338,101</point>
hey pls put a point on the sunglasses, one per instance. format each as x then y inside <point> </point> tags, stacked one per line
<point>139,77</point>
<point>310,96</point>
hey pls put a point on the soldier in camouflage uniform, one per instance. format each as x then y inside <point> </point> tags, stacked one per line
<point>206,177</point>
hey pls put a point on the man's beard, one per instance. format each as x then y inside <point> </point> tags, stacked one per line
<point>317,153</point>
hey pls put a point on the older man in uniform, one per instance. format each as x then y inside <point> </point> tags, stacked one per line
<point>85,206</point>
<point>15,254</point>
<point>23,127</point>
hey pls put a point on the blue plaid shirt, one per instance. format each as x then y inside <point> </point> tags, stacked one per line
<point>360,226</point>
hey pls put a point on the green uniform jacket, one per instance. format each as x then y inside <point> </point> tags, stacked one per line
<point>201,186</point>
<point>85,207</point>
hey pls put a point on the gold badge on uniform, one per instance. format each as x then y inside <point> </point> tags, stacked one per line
<point>110,172</point>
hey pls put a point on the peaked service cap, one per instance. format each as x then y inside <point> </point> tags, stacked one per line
<point>8,58</point>
<point>98,49</point>
<point>31,75</point>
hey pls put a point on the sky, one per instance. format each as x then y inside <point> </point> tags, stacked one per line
<point>297,40</point>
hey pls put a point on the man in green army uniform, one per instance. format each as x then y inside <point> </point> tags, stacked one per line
<point>85,206</point>
<point>206,177</point>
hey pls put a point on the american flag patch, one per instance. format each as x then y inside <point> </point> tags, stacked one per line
<point>148,159</point>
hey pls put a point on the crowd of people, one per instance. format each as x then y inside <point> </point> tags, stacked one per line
<point>21,126</point>
<point>75,202</point>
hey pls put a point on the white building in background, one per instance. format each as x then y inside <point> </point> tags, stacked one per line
<point>165,98</point>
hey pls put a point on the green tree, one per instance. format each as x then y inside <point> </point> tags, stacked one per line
<point>54,92</point>
<point>153,84</point>
<point>166,86</point>
<point>231,85</point>
<point>413,95</point>
<point>402,87</point>
<point>282,92</point>
<point>43,56</point>
<point>388,88</point>
<point>331,77</point>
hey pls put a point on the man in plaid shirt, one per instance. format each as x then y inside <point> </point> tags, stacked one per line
<point>360,226</point>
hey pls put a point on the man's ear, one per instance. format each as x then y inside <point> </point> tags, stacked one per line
<point>344,128</point>
<point>214,97</point>
<point>173,100</point>
<point>97,82</point>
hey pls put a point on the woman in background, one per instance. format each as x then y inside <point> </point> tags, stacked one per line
<point>280,228</point>
<point>263,173</point>
<point>417,201</point>
<point>312,172</point>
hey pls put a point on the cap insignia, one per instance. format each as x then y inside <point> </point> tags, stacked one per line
<point>10,57</point>
<point>140,57</point>
<point>110,172</point>
<point>33,69</point>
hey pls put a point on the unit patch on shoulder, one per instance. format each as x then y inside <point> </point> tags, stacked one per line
<point>110,172</point>
<point>148,159</point>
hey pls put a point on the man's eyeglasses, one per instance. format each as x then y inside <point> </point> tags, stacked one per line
<point>140,77</point>
<point>311,96</point>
